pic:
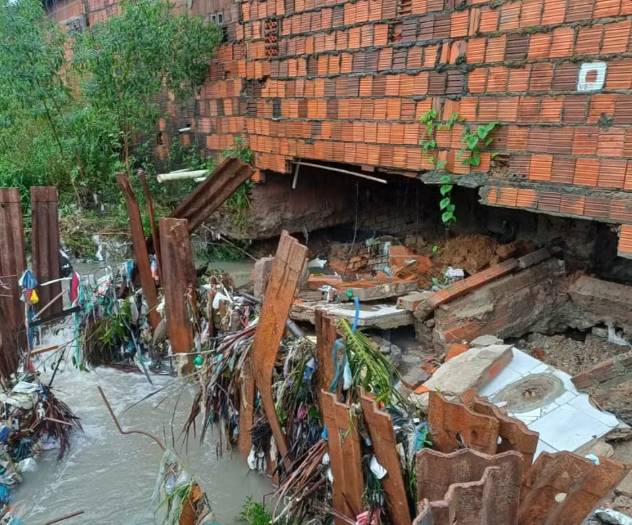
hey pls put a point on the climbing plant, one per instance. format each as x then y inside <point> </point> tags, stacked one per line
<point>473,141</point>
<point>429,146</point>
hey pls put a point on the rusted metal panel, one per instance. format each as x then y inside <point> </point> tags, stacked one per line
<point>453,425</point>
<point>140,249</point>
<point>9,358</point>
<point>345,454</point>
<point>384,444</point>
<point>12,261</point>
<point>179,280</point>
<point>437,472</point>
<point>213,192</point>
<point>155,234</point>
<point>45,245</point>
<point>513,433</point>
<point>472,503</point>
<point>286,272</point>
<point>562,488</point>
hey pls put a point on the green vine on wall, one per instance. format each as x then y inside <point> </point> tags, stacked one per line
<point>474,141</point>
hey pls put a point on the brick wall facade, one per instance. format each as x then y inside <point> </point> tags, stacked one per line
<point>346,81</point>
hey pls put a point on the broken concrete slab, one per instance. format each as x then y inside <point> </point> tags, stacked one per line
<point>382,291</point>
<point>382,316</point>
<point>600,301</point>
<point>411,301</point>
<point>460,288</point>
<point>260,276</point>
<point>485,340</point>
<point>607,370</point>
<point>470,370</point>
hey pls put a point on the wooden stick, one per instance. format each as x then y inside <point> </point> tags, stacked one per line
<point>66,517</point>
<point>127,432</point>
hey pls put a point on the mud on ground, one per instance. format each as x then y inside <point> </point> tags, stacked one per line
<point>569,354</point>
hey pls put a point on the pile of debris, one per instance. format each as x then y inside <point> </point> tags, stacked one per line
<point>32,420</point>
<point>330,418</point>
<point>332,423</point>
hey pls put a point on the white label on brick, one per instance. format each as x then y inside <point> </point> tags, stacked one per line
<point>592,76</point>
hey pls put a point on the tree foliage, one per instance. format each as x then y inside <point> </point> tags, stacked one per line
<point>73,111</point>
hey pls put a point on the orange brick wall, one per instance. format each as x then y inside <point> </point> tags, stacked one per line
<point>346,81</point>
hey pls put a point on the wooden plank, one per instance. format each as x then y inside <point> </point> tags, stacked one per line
<point>179,281</point>
<point>345,454</point>
<point>213,192</point>
<point>287,269</point>
<point>325,337</point>
<point>140,249</point>
<point>45,245</point>
<point>384,444</point>
<point>246,407</point>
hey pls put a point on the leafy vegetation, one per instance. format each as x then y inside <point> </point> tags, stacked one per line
<point>254,513</point>
<point>473,141</point>
<point>74,119</point>
<point>370,368</point>
<point>446,205</point>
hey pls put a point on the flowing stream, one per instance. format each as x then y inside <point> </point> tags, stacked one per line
<point>111,476</point>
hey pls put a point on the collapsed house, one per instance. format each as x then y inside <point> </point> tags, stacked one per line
<point>337,89</point>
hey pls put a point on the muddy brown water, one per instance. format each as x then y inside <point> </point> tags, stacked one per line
<point>110,476</point>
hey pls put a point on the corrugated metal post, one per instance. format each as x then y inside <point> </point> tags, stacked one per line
<point>45,245</point>
<point>140,250</point>
<point>178,281</point>
<point>155,234</point>
<point>12,264</point>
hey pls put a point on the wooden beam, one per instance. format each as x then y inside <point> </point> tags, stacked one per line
<point>384,444</point>
<point>287,269</point>
<point>326,336</point>
<point>246,407</point>
<point>345,454</point>
<point>140,249</point>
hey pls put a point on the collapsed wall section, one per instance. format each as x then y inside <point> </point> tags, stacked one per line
<point>347,81</point>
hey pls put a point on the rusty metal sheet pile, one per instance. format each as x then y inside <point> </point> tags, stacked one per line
<point>213,192</point>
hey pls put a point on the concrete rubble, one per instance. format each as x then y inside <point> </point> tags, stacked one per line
<point>405,367</point>
<point>481,395</point>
